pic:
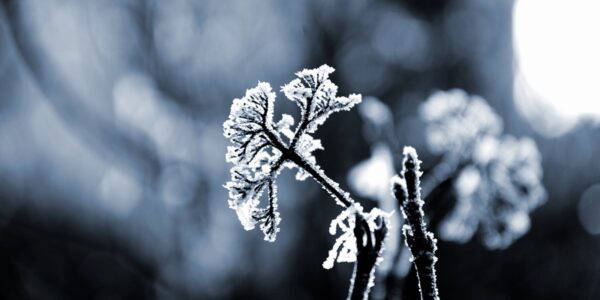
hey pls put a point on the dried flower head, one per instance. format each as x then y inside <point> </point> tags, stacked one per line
<point>454,120</point>
<point>496,194</point>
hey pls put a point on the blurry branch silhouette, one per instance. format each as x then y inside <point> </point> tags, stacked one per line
<point>422,243</point>
<point>259,152</point>
<point>93,128</point>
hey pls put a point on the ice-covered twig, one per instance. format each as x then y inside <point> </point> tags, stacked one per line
<point>369,245</point>
<point>422,244</point>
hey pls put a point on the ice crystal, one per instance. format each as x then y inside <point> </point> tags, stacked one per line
<point>260,148</point>
<point>496,193</point>
<point>454,120</point>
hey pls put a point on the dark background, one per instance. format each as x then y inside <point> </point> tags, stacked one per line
<point>112,154</point>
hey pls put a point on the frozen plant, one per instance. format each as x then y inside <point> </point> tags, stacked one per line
<point>261,148</point>
<point>455,121</point>
<point>499,177</point>
<point>496,193</point>
<point>422,244</point>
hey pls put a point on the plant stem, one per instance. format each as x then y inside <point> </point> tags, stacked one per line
<point>328,184</point>
<point>421,242</point>
<point>368,252</point>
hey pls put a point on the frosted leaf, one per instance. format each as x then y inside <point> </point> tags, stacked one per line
<point>305,147</point>
<point>269,217</point>
<point>345,247</point>
<point>284,126</point>
<point>249,119</point>
<point>312,78</point>
<point>296,91</point>
<point>316,96</point>
<point>496,194</point>
<point>325,107</point>
<point>258,150</point>
<point>256,161</point>
<point>245,189</point>
<point>454,120</point>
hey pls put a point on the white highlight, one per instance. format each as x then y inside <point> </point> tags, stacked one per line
<point>557,45</point>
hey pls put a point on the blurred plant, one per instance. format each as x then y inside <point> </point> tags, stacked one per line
<point>259,152</point>
<point>422,244</point>
<point>499,183</point>
<point>496,193</point>
<point>496,178</point>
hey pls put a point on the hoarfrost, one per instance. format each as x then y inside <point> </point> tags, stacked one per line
<point>345,247</point>
<point>260,148</point>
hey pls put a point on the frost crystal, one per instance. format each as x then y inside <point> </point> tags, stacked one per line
<point>496,194</point>
<point>260,148</point>
<point>454,120</point>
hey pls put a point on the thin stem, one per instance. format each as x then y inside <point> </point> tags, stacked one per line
<point>369,243</point>
<point>328,184</point>
<point>421,242</point>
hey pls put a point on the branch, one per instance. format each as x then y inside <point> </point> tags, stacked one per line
<point>369,242</point>
<point>422,244</point>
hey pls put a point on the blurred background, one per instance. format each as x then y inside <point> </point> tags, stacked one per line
<point>112,154</point>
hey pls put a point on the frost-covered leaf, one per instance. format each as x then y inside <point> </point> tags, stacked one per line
<point>256,161</point>
<point>284,126</point>
<point>269,216</point>
<point>258,148</point>
<point>316,96</point>
<point>249,120</point>
<point>306,145</point>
